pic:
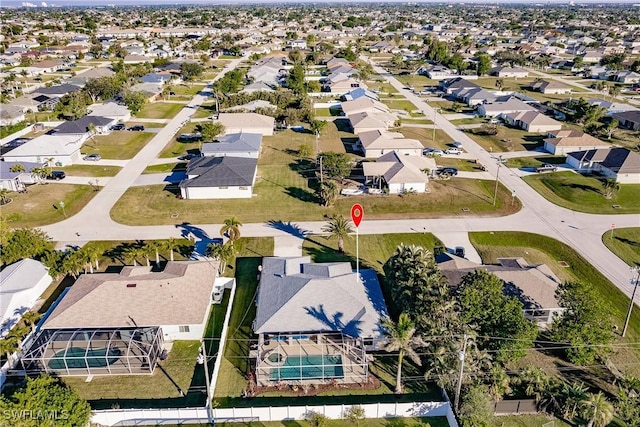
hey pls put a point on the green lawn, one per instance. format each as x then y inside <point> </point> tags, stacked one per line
<point>90,170</point>
<point>369,422</point>
<point>118,145</point>
<point>533,161</point>
<point>584,193</point>
<point>507,139</point>
<point>542,249</point>
<point>41,205</point>
<point>460,164</point>
<point>625,243</point>
<point>175,148</point>
<point>8,130</point>
<point>400,104</point>
<point>167,167</point>
<point>426,136</point>
<point>159,110</point>
<point>417,81</point>
<point>415,121</point>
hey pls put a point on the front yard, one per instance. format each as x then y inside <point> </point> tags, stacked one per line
<point>90,170</point>
<point>507,139</point>
<point>41,205</point>
<point>118,145</point>
<point>426,136</point>
<point>624,242</point>
<point>160,110</point>
<point>585,193</point>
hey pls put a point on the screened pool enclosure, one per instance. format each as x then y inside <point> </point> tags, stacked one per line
<point>117,351</point>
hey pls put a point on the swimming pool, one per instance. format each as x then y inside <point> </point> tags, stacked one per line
<point>76,358</point>
<point>308,367</point>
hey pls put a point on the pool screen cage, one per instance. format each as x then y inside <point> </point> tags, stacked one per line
<point>108,351</point>
<point>310,358</point>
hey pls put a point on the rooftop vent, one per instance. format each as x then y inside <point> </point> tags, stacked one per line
<point>131,285</point>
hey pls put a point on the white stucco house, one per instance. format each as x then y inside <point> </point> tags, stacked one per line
<point>247,123</point>
<point>224,177</point>
<point>377,142</point>
<point>400,173</point>
<point>621,164</point>
<point>235,145</point>
<point>62,149</point>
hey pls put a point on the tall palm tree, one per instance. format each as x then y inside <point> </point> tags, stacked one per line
<point>133,253</point>
<point>610,186</point>
<point>11,342</point>
<point>223,253</point>
<point>93,254</point>
<point>154,247</point>
<point>573,394</point>
<point>231,227</point>
<point>499,83</point>
<point>338,226</point>
<point>31,318</point>
<point>3,196</point>
<point>401,338</point>
<point>597,410</point>
<point>171,244</point>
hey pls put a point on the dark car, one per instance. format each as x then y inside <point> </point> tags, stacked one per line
<point>92,157</point>
<point>119,126</point>
<point>136,128</point>
<point>447,171</point>
<point>188,156</point>
<point>57,175</point>
<point>459,251</point>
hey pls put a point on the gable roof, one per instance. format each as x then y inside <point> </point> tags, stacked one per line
<point>297,296</point>
<point>574,138</point>
<point>245,120</point>
<point>234,142</point>
<point>533,118</point>
<point>377,138</point>
<point>58,90</point>
<point>619,160</point>
<point>395,168</point>
<point>82,124</point>
<point>220,172</point>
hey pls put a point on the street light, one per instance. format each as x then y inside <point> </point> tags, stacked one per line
<point>633,295</point>
<point>495,191</point>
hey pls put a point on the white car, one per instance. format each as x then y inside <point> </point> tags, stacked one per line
<point>452,151</point>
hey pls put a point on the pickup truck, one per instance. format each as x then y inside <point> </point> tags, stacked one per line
<point>547,167</point>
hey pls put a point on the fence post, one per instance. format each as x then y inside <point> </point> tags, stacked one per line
<point>270,415</point>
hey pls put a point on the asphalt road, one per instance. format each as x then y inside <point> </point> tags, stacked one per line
<point>581,231</point>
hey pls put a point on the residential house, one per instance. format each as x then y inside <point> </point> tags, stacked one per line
<point>16,181</point>
<point>611,107</point>
<point>359,93</point>
<point>257,87</point>
<point>94,73</point>
<point>377,142</point>
<point>224,177</point>
<point>533,285</point>
<point>551,87</point>
<point>316,322</point>
<point>565,141</point>
<point>512,105</point>
<point>475,96</point>
<point>11,115</point>
<point>247,123</point>
<point>452,86</point>
<point>253,106</point>
<point>111,110</point>
<point>136,59</point>
<point>234,144</point>
<point>382,46</point>
<point>86,126</point>
<point>626,77</point>
<point>628,119</point>
<point>298,44</point>
<point>363,104</point>
<point>21,285</point>
<point>618,163</point>
<point>400,173</point>
<point>437,72</point>
<point>117,323</point>
<point>63,149</point>
<point>532,121</point>
<point>508,72</point>
<point>367,121</point>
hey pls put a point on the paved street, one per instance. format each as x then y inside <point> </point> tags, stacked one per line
<point>581,231</point>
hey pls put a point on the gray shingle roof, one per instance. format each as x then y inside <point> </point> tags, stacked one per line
<point>234,142</point>
<point>82,124</point>
<point>220,172</point>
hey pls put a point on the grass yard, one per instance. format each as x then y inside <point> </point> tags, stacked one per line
<point>470,121</point>
<point>186,90</point>
<point>528,421</point>
<point>369,422</point>
<point>382,86</point>
<point>460,164</point>
<point>159,110</point>
<point>442,140</point>
<point>40,206</point>
<point>584,193</point>
<point>90,170</point>
<point>542,249</point>
<point>507,139</point>
<point>118,145</point>
<point>625,243</point>
<point>400,104</point>
<point>167,167</point>
<point>532,162</point>
<point>410,121</point>
<point>175,148</point>
<point>417,81</point>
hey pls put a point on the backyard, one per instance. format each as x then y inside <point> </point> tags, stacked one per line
<point>41,205</point>
<point>585,193</point>
<point>118,145</point>
<point>624,242</point>
<point>369,422</point>
<point>160,110</point>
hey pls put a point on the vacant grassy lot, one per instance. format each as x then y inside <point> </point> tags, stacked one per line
<point>167,167</point>
<point>160,110</point>
<point>426,136</point>
<point>507,139</point>
<point>417,81</point>
<point>369,422</point>
<point>415,121</point>
<point>532,162</point>
<point>382,86</point>
<point>460,164</point>
<point>400,104</point>
<point>117,145</point>
<point>584,193</point>
<point>541,249</point>
<point>90,170</point>
<point>41,205</point>
<point>625,243</point>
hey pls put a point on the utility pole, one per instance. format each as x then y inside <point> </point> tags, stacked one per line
<point>435,112</point>
<point>495,191</point>
<point>206,377</point>
<point>461,356</point>
<point>633,295</point>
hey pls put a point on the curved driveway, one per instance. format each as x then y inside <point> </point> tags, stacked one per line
<point>581,231</point>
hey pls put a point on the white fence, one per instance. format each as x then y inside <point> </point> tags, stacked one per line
<point>271,413</point>
<point>223,338</point>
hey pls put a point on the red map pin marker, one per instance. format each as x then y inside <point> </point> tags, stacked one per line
<point>356,214</point>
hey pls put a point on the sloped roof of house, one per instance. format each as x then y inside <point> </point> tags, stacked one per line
<point>297,296</point>
<point>512,104</point>
<point>359,93</point>
<point>178,295</point>
<point>82,124</point>
<point>619,160</point>
<point>574,138</point>
<point>245,120</point>
<point>109,109</point>
<point>533,118</point>
<point>47,146</point>
<point>632,116</point>
<point>396,168</point>
<point>220,172</point>
<point>6,173</point>
<point>58,90</point>
<point>363,104</point>
<point>377,139</point>
<point>378,120</point>
<point>233,142</point>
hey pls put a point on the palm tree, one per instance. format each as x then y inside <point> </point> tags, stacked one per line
<point>500,84</point>
<point>610,186</point>
<point>31,318</point>
<point>18,167</point>
<point>328,192</point>
<point>3,196</point>
<point>401,338</point>
<point>93,254</point>
<point>597,410</point>
<point>11,342</point>
<point>132,255</point>
<point>171,244</point>
<point>338,227</point>
<point>223,253</point>
<point>572,394</point>
<point>231,228</point>
<point>154,247</point>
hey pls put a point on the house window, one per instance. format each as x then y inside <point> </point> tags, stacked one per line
<point>368,342</point>
<point>223,188</point>
<point>184,328</point>
<point>244,188</point>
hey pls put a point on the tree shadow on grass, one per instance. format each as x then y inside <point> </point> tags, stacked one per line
<point>304,167</point>
<point>301,194</point>
<point>288,227</point>
<point>584,187</point>
<point>627,241</point>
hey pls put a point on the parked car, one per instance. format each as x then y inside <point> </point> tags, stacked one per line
<point>188,156</point>
<point>447,171</point>
<point>119,126</point>
<point>546,167</point>
<point>436,152</point>
<point>457,144</point>
<point>56,175</point>
<point>136,128</point>
<point>92,157</point>
<point>452,150</point>
<point>459,251</point>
